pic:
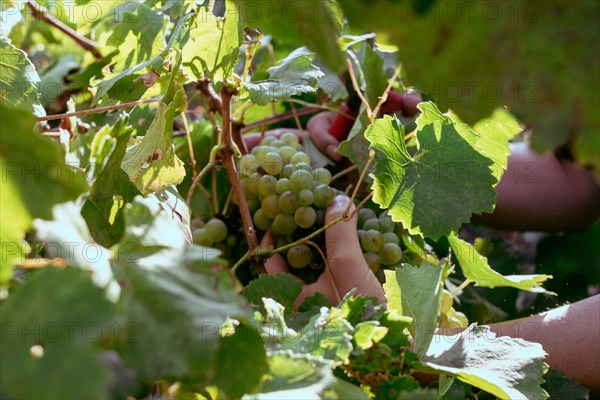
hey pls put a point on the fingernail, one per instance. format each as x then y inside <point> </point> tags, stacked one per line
<point>341,201</point>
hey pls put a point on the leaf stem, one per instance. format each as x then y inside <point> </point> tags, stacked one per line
<point>390,83</point>
<point>42,13</point>
<point>463,285</point>
<point>196,182</point>
<point>359,92</point>
<point>360,180</point>
<point>97,110</point>
<point>344,172</point>
<point>239,262</point>
<point>188,136</point>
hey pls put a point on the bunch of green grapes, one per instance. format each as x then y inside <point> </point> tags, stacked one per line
<point>285,193</point>
<point>214,232</point>
<point>449,317</point>
<point>379,241</point>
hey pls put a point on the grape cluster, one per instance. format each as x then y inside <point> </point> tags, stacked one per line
<point>378,240</point>
<point>284,192</point>
<point>449,317</point>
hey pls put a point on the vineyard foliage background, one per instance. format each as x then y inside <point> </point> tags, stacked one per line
<point>104,293</point>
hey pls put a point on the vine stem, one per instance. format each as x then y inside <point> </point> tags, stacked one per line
<point>344,172</point>
<point>360,180</point>
<point>463,285</point>
<point>227,157</point>
<point>188,136</point>
<point>42,13</point>
<point>279,117</point>
<point>97,110</point>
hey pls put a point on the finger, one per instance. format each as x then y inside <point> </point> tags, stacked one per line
<point>276,263</point>
<point>410,102</point>
<point>344,254</point>
<point>318,130</point>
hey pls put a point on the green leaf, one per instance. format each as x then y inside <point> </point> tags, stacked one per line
<point>104,86</point>
<point>62,311</point>
<point>34,178</point>
<point>315,24</point>
<point>475,267</point>
<point>437,189</point>
<point>367,333</point>
<point>102,209</point>
<point>560,386</point>
<point>67,235</point>
<point>292,76</point>
<point>505,367</point>
<point>152,164</point>
<point>392,291</point>
<point>213,44</point>
<point>18,78</point>
<point>495,132</point>
<point>421,290</point>
<point>173,297</point>
<point>241,362</point>
<point>283,288</point>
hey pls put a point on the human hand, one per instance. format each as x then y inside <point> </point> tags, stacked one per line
<point>347,266</point>
<point>319,125</point>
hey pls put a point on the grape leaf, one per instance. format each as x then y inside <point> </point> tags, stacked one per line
<point>315,24</point>
<point>241,362</point>
<point>560,386</point>
<point>292,76</point>
<point>476,268</point>
<point>213,43</point>
<point>173,295</point>
<point>68,237</point>
<point>283,288</point>
<point>367,333</point>
<point>437,189</point>
<point>34,178</point>
<point>102,209</point>
<point>505,367</point>
<point>62,311</point>
<point>19,80</point>
<point>104,86</point>
<point>392,291</point>
<point>421,290</point>
<point>152,164</point>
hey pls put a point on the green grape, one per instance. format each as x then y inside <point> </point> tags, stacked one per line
<point>231,241</point>
<point>304,166</point>
<point>360,233</point>
<point>462,319</point>
<point>306,197</point>
<point>373,261</point>
<point>264,150</point>
<point>253,203</point>
<point>454,322</point>
<point>301,180</point>
<point>447,301</point>
<point>270,206</point>
<point>391,237</point>
<point>372,241</point>
<point>284,224</point>
<point>373,223</point>
<point>305,217</point>
<point>252,182</point>
<point>283,185</point>
<point>216,230</point>
<point>283,240</point>
<point>261,221</point>
<point>288,170</point>
<point>320,217</point>
<point>277,143</point>
<point>299,256</point>
<point>266,185</point>
<point>300,157</point>
<point>248,164</point>
<point>322,175</point>
<point>288,202</point>
<point>323,196</point>
<point>290,139</point>
<point>286,152</point>
<point>380,275</point>
<point>365,214</point>
<point>267,140</point>
<point>390,254</point>
<point>387,225</point>
<point>199,237</point>
<point>273,163</point>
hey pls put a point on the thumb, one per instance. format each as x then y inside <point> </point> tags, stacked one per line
<point>345,256</point>
<point>274,264</point>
